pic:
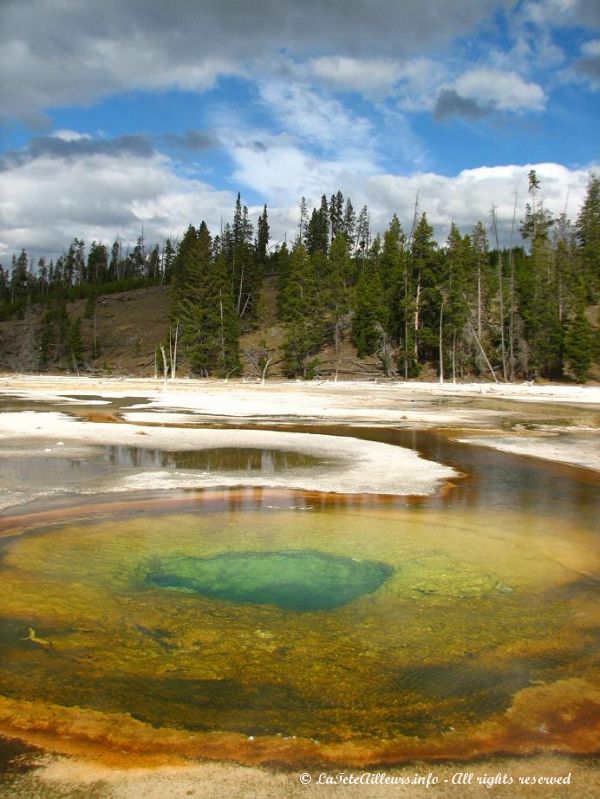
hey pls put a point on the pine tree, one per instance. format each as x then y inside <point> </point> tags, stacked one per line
<point>579,346</point>
<point>4,286</point>
<point>539,300</point>
<point>153,266</point>
<point>362,239</point>
<point>245,273</point>
<point>457,264</point>
<point>115,266</point>
<point>75,344</point>
<point>588,239</point>
<point>136,261</point>
<point>302,222</point>
<point>349,226</point>
<point>262,238</point>
<point>97,263</point>
<point>336,214</point>
<point>370,313</point>
<point>168,257</point>
<point>391,266</point>
<point>334,288</point>
<point>20,282</point>
<point>423,268</point>
<point>55,331</point>
<point>227,360</point>
<point>480,247</point>
<point>74,270</point>
<point>317,231</point>
<point>301,314</point>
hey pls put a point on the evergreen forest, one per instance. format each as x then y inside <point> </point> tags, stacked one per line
<point>467,308</point>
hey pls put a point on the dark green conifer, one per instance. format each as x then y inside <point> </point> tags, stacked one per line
<point>302,316</point>
<point>370,313</point>
<point>588,239</point>
<point>579,346</point>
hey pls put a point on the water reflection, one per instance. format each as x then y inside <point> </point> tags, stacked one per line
<point>219,459</point>
<point>494,480</point>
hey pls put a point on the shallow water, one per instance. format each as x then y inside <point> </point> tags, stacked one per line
<point>220,459</point>
<point>482,636</point>
<point>300,580</point>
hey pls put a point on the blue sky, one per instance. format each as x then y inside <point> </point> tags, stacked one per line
<point>131,115</point>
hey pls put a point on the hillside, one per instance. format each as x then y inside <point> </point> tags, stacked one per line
<point>130,325</point>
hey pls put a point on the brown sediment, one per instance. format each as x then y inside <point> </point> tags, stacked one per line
<point>98,416</point>
<point>560,718</point>
<point>196,500</point>
<point>174,660</point>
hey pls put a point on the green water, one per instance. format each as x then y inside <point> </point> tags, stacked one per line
<point>297,580</point>
<point>316,617</point>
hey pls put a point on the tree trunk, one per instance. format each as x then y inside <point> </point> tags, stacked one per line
<point>264,371</point>
<point>511,320</point>
<point>222,328</point>
<point>511,315</point>
<point>165,367</point>
<point>239,302</point>
<point>479,297</point>
<point>500,295</point>
<point>417,301</point>
<point>174,358</point>
<point>489,365</point>
<point>441,342</point>
<point>454,356</point>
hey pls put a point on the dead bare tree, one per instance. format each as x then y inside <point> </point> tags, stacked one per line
<point>500,293</point>
<point>164,360</point>
<point>173,350</point>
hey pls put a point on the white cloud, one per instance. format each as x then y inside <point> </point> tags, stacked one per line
<point>501,90</point>
<point>373,77</point>
<point>278,169</point>
<point>470,195</point>
<point>419,81</point>
<point>69,135</point>
<point>47,201</point>
<point>315,117</point>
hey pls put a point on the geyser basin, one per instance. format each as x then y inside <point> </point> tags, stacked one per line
<point>293,579</point>
<point>479,638</point>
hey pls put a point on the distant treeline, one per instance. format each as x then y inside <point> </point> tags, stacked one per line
<point>465,308</point>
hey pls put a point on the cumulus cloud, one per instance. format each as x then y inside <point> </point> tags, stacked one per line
<point>482,91</point>
<point>469,196</point>
<point>46,201</point>
<point>282,172</point>
<point>375,76</point>
<point>97,195</point>
<point>64,53</point>
<point>500,90</point>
